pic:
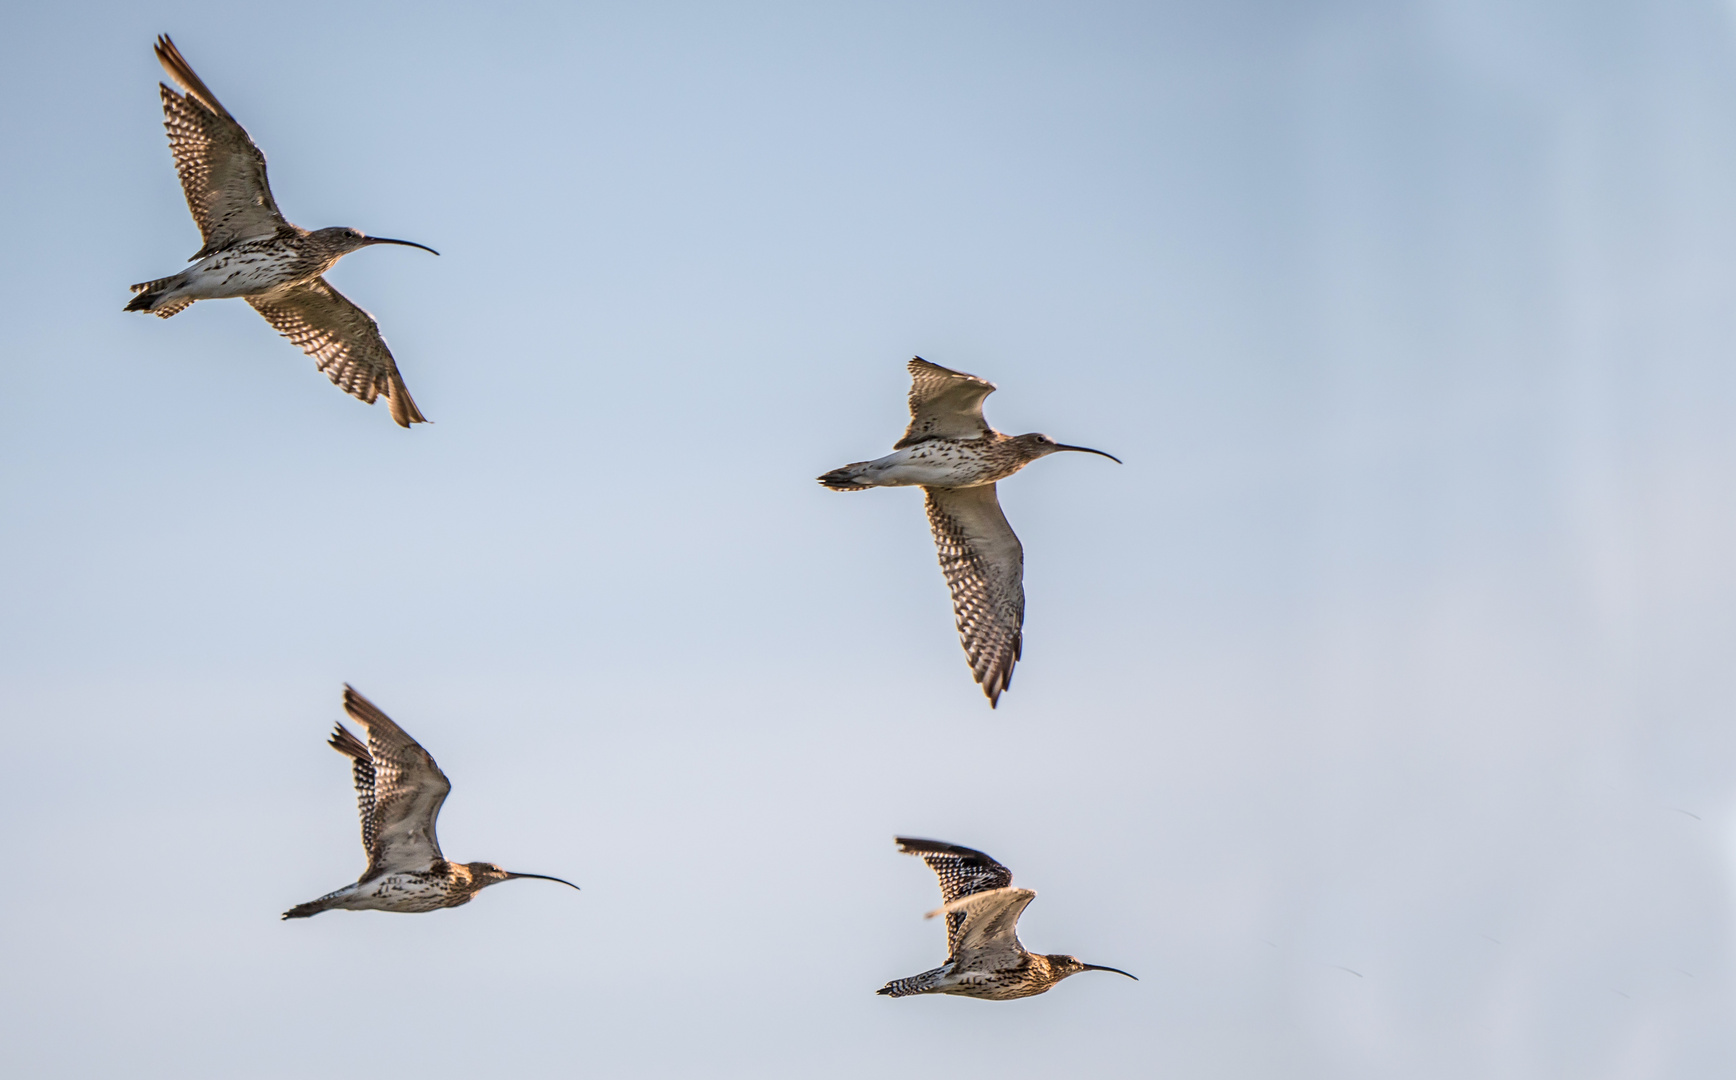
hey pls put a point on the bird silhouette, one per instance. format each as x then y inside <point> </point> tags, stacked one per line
<point>984,958</point>
<point>252,252</point>
<point>399,790</point>
<point>950,451</point>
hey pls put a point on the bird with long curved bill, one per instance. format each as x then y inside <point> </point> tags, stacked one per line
<point>950,452</point>
<point>252,252</point>
<point>399,790</point>
<point>984,958</point>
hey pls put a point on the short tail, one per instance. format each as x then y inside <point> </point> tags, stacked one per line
<point>329,900</point>
<point>150,292</point>
<point>915,984</point>
<point>302,911</point>
<point>846,478</point>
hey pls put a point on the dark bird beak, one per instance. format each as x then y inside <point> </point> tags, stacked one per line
<point>424,247</point>
<point>540,877</point>
<point>1096,967</point>
<point>1111,457</point>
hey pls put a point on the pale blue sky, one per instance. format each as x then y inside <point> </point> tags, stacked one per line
<point>1377,712</point>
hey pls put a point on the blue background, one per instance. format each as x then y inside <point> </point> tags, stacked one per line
<point>1377,712</point>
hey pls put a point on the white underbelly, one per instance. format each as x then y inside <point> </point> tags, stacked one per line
<point>231,274</point>
<point>926,466</point>
<point>394,892</point>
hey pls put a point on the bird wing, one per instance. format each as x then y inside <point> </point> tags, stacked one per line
<point>944,404</point>
<point>222,172</point>
<point>343,340</point>
<point>985,571</point>
<point>990,920</point>
<point>405,792</point>
<point>962,872</point>
<point>344,741</point>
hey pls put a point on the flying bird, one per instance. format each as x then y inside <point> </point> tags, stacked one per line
<point>950,451</point>
<point>399,790</point>
<point>252,252</point>
<point>984,958</point>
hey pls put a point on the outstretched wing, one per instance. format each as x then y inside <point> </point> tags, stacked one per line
<point>222,172</point>
<point>344,741</point>
<point>962,872</point>
<point>405,790</point>
<point>944,404</point>
<point>987,920</point>
<point>344,342</point>
<point>985,571</point>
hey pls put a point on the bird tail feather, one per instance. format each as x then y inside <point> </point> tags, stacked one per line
<point>846,478</point>
<point>334,899</point>
<point>150,292</point>
<point>312,907</point>
<point>915,984</point>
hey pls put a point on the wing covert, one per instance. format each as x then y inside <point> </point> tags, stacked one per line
<point>984,566</point>
<point>344,341</point>
<point>408,790</point>
<point>989,920</point>
<point>944,404</point>
<point>222,171</point>
<point>961,872</point>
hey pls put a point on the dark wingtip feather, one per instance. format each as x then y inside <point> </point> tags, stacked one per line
<point>345,741</point>
<point>403,406</point>
<point>182,72</point>
<point>915,845</point>
<point>360,708</point>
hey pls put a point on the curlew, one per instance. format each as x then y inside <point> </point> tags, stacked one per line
<point>984,958</point>
<point>950,451</point>
<point>399,790</point>
<point>252,252</point>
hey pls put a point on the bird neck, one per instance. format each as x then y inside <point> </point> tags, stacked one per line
<point>317,252</point>
<point>1055,966</point>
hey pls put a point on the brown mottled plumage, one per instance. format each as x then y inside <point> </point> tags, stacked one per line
<point>399,791</point>
<point>984,958</point>
<point>950,451</point>
<point>250,251</point>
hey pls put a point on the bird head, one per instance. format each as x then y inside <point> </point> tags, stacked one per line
<point>485,874</point>
<point>344,240</point>
<point>1035,445</point>
<point>1063,965</point>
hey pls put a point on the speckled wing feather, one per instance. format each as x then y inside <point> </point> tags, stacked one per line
<point>222,172</point>
<point>990,920</point>
<point>408,789</point>
<point>962,872</point>
<point>985,571</point>
<point>944,404</point>
<point>344,741</point>
<point>344,342</point>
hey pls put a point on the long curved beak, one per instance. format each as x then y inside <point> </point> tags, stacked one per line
<point>424,247</point>
<point>1099,967</point>
<point>1111,457</point>
<point>540,877</point>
